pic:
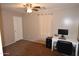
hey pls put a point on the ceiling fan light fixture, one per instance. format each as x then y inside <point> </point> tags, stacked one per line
<point>29,10</point>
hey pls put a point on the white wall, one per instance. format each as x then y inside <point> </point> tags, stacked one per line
<point>1,51</point>
<point>78,32</point>
<point>31,28</point>
<point>44,25</point>
<point>60,17</point>
<point>8,28</point>
<point>37,27</point>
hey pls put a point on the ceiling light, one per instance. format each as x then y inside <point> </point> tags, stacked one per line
<point>29,10</point>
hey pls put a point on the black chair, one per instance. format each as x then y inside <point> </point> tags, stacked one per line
<point>64,47</point>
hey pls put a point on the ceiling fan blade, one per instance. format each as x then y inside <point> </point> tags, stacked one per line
<point>35,9</point>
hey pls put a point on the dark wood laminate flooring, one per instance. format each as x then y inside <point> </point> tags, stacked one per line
<point>28,48</point>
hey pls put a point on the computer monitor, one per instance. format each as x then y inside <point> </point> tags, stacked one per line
<point>63,32</point>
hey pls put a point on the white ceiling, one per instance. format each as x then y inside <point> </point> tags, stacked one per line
<point>19,6</point>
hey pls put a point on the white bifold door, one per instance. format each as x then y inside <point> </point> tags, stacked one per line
<point>18,32</point>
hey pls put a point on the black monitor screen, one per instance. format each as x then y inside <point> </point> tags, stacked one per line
<point>63,31</point>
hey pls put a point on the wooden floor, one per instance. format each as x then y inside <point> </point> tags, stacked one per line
<point>27,48</point>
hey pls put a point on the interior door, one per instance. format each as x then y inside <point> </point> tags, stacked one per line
<point>18,33</point>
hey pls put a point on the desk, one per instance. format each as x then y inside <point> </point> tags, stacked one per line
<point>75,44</point>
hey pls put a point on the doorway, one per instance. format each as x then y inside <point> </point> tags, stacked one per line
<point>18,32</point>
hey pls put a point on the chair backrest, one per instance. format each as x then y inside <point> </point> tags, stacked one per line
<point>64,47</point>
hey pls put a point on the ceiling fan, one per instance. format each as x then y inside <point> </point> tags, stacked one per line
<point>29,8</point>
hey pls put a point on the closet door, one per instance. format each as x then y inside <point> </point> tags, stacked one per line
<point>18,33</point>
